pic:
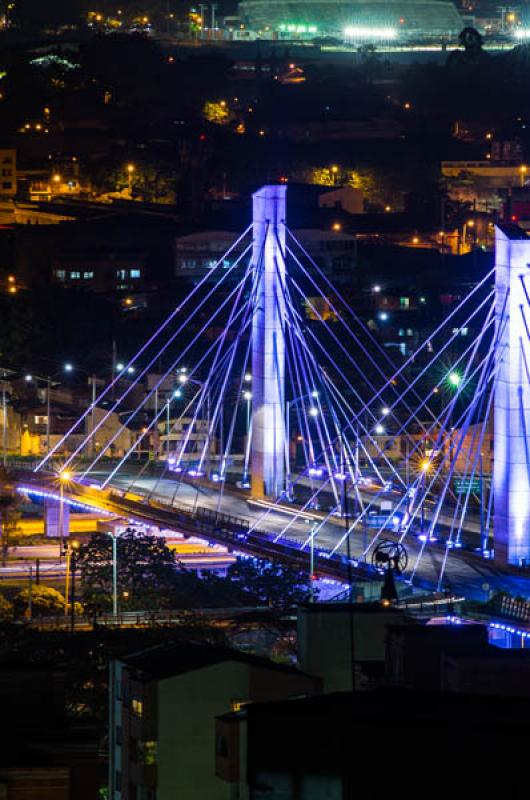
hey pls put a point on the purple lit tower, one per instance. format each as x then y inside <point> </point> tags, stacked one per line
<point>268,344</point>
<point>511,471</point>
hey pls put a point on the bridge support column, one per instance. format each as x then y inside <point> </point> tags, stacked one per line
<point>55,518</point>
<point>267,456</point>
<point>511,471</point>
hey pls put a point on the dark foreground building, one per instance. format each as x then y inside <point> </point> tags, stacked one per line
<point>383,744</point>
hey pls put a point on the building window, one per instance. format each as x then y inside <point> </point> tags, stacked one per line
<point>59,274</point>
<point>121,274</point>
<point>74,276</point>
<point>237,705</point>
<point>7,173</point>
<point>40,420</point>
<point>7,185</point>
<point>88,276</point>
<point>148,753</point>
<point>136,273</point>
<point>137,707</point>
<point>7,160</point>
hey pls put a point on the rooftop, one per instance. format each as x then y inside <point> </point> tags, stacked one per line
<point>177,658</point>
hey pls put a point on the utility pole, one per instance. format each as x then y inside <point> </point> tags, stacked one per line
<point>214,8</point>
<point>202,9</point>
<point>4,424</point>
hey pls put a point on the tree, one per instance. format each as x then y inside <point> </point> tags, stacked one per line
<point>145,569</point>
<point>269,583</point>
<point>45,602</point>
<point>9,513</point>
<point>6,609</point>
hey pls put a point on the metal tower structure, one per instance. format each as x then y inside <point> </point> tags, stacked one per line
<point>268,343</point>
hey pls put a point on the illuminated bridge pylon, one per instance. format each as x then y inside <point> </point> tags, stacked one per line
<point>511,475</point>
<point>268,444</point>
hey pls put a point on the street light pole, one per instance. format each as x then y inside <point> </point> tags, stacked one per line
<point>312,563</point>
<point>48,411</point>
<point>114,538</point>
<point>4,424</point>
<point>92,415</point>
<point>115,575</point>
<point>61,539</point>
<point>168,425</point>
<point>72,601</point>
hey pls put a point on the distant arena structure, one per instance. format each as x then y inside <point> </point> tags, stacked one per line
<point>378,20</point>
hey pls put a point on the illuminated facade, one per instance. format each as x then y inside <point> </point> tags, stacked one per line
<point>268,344</point>
<point>511,469</point>
<point>384,20</point>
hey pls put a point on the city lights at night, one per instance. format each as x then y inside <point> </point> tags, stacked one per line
<point>264,398</point>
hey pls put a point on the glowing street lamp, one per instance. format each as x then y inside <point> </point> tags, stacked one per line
<point>131,169</point>
<point>425,467</point>
<point>65,476</point>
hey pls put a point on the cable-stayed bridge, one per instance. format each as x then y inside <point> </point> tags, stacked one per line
<point>279,422</point>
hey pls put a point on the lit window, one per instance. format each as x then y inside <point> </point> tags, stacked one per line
<point>404,302</point>
<point>237,705</point>
<point>135,273</point>
<point>148,753</point>
<point>137,707</point>
<point>39,420</point>
<point>74,276</point>
<point>464,331</point>
<point>121,274</point>
<point>88,276</point>
<point>59,274</point>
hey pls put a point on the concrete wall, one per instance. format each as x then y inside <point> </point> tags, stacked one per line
<point>187,707</point>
